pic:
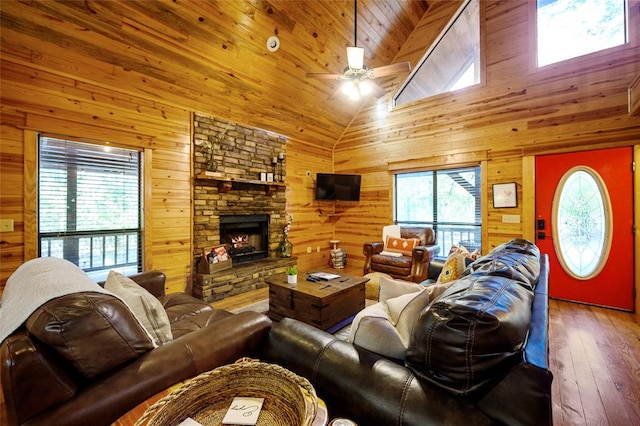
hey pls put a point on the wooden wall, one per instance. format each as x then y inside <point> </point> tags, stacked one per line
<point>35,100</point>
<point>517,112</point>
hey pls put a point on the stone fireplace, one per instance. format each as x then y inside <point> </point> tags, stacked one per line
<point>246,236</point>
<point>233,207</point>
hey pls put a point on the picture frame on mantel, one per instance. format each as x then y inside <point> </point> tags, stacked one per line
<point>505,195</point>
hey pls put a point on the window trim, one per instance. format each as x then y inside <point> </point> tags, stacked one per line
<point>30,201</point>
<point>633,35</point>
<point>439,167</point>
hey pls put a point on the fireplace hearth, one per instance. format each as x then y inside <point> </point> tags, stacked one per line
<point>246,236</point>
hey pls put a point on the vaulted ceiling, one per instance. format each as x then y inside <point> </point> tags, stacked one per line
<point>211,56</point>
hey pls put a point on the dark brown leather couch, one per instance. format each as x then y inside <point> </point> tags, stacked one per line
<point>412,267</point>
<point>42,388</point>
<point>478,353</point>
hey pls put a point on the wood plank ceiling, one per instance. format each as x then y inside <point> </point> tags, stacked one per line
<point>211,56</point>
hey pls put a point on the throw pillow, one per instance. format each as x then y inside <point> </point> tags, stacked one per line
<point>456,263</point>
<point>401,245</point>
<point>146,307</point>
<point>372,287</point>
<point>385,328</point>
<point>390,288</point>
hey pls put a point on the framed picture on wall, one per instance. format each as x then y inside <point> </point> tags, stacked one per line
<point>505,195</point>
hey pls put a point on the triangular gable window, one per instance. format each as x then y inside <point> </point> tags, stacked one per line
<point>452,62</point>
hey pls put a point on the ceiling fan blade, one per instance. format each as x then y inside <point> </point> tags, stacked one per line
<point>377,91</point>
<point>390,69</point>
<point>323,76</point>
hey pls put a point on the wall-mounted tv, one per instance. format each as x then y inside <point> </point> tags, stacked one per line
<point>337,187</point>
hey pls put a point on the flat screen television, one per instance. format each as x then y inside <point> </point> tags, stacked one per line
<point>337,187</point>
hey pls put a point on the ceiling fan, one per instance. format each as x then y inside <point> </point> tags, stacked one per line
<point>358,78</point>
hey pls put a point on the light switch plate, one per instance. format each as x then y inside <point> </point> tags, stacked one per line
<point>6,225</point>
<point>510,218</point>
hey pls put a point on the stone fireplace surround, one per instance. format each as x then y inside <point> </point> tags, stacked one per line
<point>240,153</point>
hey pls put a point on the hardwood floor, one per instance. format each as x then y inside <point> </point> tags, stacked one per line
<point>594,355</point>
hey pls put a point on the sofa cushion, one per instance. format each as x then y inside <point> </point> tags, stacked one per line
<point>476,329</point>
<point>146,307</point>
<point>385,327</point>
<point>390,288</point>
<point>95,332</point>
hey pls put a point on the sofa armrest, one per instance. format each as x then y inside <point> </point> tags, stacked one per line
<point>105,400</point>
<point>361,385</point>
<point>420,258</point>
<point>371,248</point>
<point>152,281</point>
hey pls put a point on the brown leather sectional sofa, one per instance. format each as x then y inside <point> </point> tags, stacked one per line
<point>42,388</point>
<point>478,354</point>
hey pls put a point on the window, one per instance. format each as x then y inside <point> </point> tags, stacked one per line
<point>89,206</point>
<point>570,28</point>
<point>452,63</point>
<point>447,200</point>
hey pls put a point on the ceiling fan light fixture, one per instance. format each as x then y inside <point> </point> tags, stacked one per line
<point>355,57</point>
<point>365,87</point>
<point>348,87</point>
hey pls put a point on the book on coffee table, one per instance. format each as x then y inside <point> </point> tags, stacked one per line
<point>326,276</point>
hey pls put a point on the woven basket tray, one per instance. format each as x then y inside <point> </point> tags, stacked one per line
<point>288,399</point>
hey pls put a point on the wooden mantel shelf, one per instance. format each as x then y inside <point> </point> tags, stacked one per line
<point>225,183</point>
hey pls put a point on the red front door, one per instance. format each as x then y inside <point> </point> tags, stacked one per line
<point>584,211</point>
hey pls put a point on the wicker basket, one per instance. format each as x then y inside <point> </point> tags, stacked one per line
<point>288,399</point>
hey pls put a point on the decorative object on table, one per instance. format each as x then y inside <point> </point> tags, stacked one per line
<point>292,275</point>
<point>288,398</point>
<point>285,248</point>
<point>505,195</point>
<point>274,164</point>
<point>338,258</point>
<point>263,176</point>
<point>269,177</point>
<point>281,160</point>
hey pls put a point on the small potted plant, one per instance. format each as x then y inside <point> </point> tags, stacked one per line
<point>292,275</point>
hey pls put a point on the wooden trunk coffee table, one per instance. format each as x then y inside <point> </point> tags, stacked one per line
<point>327,305</point>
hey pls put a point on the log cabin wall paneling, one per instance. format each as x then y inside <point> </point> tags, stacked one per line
<point>517,112</point>
<point>134,72</point>
<point>39,101</point>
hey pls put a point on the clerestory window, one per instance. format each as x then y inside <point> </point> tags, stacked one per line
<point>452,62</point>
<point>89,205</point>
<point>570,28</point>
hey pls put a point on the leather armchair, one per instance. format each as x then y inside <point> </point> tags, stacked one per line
<point>411,268</point>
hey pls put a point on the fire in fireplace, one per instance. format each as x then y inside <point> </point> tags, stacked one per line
<point>246,236</point>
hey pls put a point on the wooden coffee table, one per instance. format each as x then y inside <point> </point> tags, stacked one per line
<point>327,305</point>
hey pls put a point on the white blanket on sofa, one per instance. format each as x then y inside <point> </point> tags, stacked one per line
<point>36,282</point>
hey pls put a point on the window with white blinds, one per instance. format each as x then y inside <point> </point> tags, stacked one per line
<point>89,205</point>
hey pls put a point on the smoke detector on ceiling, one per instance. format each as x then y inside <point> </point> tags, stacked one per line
<point>273,43</point>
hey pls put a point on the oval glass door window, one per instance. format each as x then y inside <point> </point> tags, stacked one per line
<point>582,223</point>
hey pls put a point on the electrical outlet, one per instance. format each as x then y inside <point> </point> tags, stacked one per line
<point>6,225</point>
<point>309,249</point>
<point>318,249</point>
